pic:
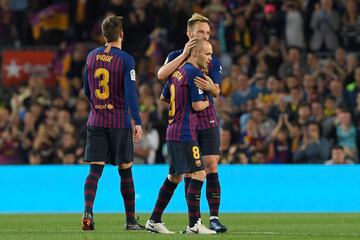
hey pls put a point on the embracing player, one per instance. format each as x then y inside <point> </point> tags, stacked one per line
<point>184,153</point>
<point>198,27</point>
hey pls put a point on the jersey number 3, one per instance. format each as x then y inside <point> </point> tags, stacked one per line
<point>103,92</point>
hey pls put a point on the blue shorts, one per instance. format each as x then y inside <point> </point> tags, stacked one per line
<point>110,145</point>
<point>209,141</point>
<point>184,157</point>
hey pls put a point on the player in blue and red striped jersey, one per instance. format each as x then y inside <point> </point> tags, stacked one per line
<point>185,157</point>
<point>109,84</point>
<point>198,27</point>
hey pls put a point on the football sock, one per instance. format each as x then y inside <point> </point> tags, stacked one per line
<point>193,201</point>
<point>90,187</point>
<point>213,193</point>
<point>186,182</point>
<point>164,196</point>
<point>128,193</point>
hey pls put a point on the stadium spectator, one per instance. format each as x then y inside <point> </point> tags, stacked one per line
<point>280,147</point>
<point>351,26</point>
<point>338,156</point>
<point>346,134</point>
<point>271,25</point>
<point>252,141</point>
<point>145,149</point>
<point>293,23</point>
<point>325,23</point>
<point>313,149</point>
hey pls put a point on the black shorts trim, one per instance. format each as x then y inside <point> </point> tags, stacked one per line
<point>209,141</point>
<point>110,145</point>
<point>184,157</point>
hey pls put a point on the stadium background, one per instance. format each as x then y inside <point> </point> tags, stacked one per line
<point>285,63</point>
<point>282,60</point>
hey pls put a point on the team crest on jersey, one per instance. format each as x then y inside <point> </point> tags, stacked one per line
<point>132,75</point>
<point>198,163</point>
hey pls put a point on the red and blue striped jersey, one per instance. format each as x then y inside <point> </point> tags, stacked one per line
<point>110,86</point>
<point>180,89</point>
<point>206,118</point>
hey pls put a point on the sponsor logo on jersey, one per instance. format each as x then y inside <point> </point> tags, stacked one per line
<point>104,106</point>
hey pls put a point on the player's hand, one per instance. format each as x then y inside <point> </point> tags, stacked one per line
<point>204,84</point>
<point>188,46</point>
<point>137,135</point>
<point>207,103</point>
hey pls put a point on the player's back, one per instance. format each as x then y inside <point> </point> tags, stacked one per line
<point>182,117</point>
<point>105,83</point>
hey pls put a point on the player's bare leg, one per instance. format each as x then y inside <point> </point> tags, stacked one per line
<point>91,182</point>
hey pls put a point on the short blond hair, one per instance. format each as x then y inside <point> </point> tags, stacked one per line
<point>195,18</point>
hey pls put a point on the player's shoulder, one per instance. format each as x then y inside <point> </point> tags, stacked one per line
<point>215,60</point>
<point>123,54</point>
<point>176,53</point>
<point>192,71</point>
<point>191,68</point>
<point>172,55</point>
<point>95,51</point>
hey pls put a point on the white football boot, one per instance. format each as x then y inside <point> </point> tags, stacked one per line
<point>157,227</point>
<point>199,228</point>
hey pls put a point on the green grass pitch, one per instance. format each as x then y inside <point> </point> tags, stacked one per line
<point>241,226</point>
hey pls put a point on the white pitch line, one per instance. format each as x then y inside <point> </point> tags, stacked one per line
<point>301,234</point>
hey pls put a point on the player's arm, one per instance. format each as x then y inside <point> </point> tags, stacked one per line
<point>206,84</point>
<point>86,84</point>
<point>165,94</point>
<point>172,63</point>
<point>212,82</point>
<point>131,97</point>
<point>200,105</point>
<point>198,100</point>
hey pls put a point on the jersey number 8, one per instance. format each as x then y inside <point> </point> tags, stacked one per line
<point>196,152</point>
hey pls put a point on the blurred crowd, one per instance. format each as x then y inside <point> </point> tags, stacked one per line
<point>290,89</point>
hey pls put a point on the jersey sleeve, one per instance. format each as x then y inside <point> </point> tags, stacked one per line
<point>86,84</point>
<point>166,91</point>
<point>130,89</point>
<point>171,57</point>
<point>215,71</point>
<point>196,93</point>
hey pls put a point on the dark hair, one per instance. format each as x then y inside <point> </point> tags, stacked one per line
<point>313,122</point>
<point>304,105</point>
<point>111,27</point>
<point>337,147</point>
